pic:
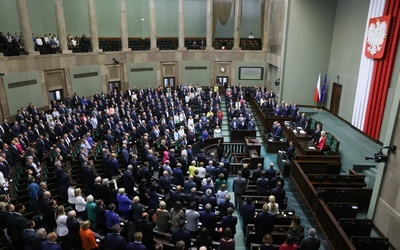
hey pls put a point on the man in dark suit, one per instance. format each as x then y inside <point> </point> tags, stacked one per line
<point>270,172</point>
<point>51,242</point>
<point>290,151</point>
<point>278,133</point>
<point>137,244</point>
<point>229,221</point>
<point>29,234</point>
<point>177,195</point>
<point>114,240</point>
<point>208,219</point>
<point>225,205</point>
<point>248,211</point>
<point>178,175</point>
<point>18,224</point>
<point>115,172</point>
<point>188,185</point>
<point>181,234</point>
<point>317,134</point>
<point>129,181</point>
<point>274,181</point>
<point>279,193</point>
<point>208,198</point>
<point>310,243</point>
<point>262,185</point>
<point>257,172</point>
<point>239,188</point>
<point>202,157</point>
<point>264,223</point>
<point>144,226</point>
<point>164,183</point>
<point>125,155</point>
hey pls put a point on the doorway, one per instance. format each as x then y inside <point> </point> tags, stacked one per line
<point>114,86</point>
<point>335,99</point>
<point>56,95</point>
<point>169,82</point>
<point>222,81</point>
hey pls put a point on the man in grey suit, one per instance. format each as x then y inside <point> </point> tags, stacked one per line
<point>239,188</point>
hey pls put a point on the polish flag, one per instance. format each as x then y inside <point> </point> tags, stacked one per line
<point>317,93</point>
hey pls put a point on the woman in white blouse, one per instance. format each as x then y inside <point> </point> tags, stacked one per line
<point>61,220</point>
<point>80,206</point>
<point>190,124</point>
<point>71,194</point>
<point>273,207</point>
<point>217,132</point>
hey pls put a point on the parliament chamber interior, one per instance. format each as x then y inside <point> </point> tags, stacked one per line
<point>179,124</point>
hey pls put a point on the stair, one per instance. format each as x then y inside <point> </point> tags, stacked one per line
<point>226,134</point>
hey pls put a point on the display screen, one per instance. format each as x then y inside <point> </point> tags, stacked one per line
<point>251,73</point>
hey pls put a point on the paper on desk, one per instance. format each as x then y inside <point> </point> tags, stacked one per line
<point>311,148</point>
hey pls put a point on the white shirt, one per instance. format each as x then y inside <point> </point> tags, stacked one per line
<point>202,172</point>
<point>94,122</point>
<point>2,180</point>
<point>276,211</point>
<point>39,41</point>
<point>80,204</point>
<point>217,133</point>
<point>71,196</point>
<point>62,228</point>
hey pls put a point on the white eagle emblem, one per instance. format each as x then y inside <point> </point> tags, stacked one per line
<point>376,36</point>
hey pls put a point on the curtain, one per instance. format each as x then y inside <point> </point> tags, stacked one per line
<point>221,12</point>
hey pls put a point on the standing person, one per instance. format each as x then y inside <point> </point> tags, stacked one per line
<point>310,243</point>
<point>61,220</point>
<point>73,226</point>
<point>163,218</point>
<point>264,223</point>
<point>177,215</point>
<point>114,240</point>
<point>51,242</point>
<point>18,223</point>
<point>33,190</point>
<point>80,204</point>
<point>248,211</point>
<point>239,188</point>
<point>192,217</point>
<point>137,244</point>
<point>124,203</point>
<point>227,242</point>
<point>296,229</point>
<point>91,210</point>
<point>289,243</point>
<point>87,236</point>
<point>267,240</point>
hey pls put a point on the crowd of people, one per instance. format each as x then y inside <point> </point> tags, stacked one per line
<point>154,129</point>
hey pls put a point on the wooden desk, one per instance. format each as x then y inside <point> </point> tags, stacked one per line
<point>301,142</point>
<point>253,144</point>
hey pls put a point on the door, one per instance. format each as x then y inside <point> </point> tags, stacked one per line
<point>169,82</point>
<point>55,84</point>
<point>114,86</point>
<point>222,81</point>
<point>335,99</point>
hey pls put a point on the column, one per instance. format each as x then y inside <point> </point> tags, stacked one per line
<point>61,29</point>
<point>124,26</point>
<point>181,26</point>
<point>94,33</point>
<point>153,32</point>
<point>209,25</point>
<point>25,27</point>
<point>265,35</point>
<point>238,21</point>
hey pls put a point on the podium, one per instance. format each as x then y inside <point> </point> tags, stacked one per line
<point>253,144</point>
